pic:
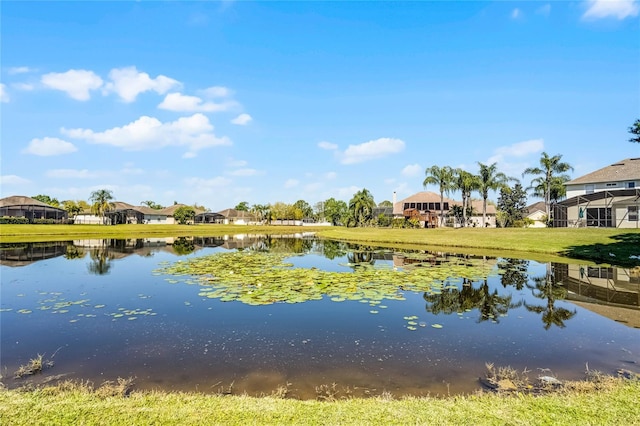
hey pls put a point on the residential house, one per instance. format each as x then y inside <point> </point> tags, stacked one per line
<point>537,212</point>
<point>607,198</point>
<point>426,207</point>
<point>30,209</point>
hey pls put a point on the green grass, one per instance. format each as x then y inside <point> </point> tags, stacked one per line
<point>545,243</point>
<point>613,404</point>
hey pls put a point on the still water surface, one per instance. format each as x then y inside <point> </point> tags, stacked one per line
<point>108,309</point>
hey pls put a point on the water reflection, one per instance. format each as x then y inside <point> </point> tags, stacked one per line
<point>546,288</point>
<point>609,291</point>
<point>21,254</point>
<point>115,316</point>
<point>490,304</point>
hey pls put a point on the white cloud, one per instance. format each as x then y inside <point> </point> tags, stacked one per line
<point>19,70</point>
<point>76,83</point>
<point>47,147</point>
<point>23,86</point>
<point>516,13</point>
<point>519,149</point>
<point>95,174</point>
<point>512,159</point>
<point>327,145</point>
<point>412,170</point>
<point>215,182</point>
<point>13,180</point>
<point>242,119</point>
<point>371,150</point>
<point>236,163</point>
<point>184,103</point>
<point>619,9</point>
<point>128,83</point>
<point>313,187</point>
<point>72,174</point>
<point>244,172</point>
<point>331,175</point>
<point>544,10</point>
<point>194,132</point>
<point>4,96</point>
<point>347,192</point>
<point>217,92</point>
<point>291,183</point>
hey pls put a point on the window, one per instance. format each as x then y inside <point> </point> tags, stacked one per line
<point>413,205</point>
<point>632,213</point>
<point>431,206</point>
<point>446,206</point>
<point>406,206</point>
<point>599,217</point>
<point>437,206</point>
<point>589,189</point>
<point>596,272</point>
<point>631,185</point>
<point>611,184</point>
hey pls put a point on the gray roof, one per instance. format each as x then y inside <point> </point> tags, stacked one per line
<point>21,200</point>
<point>628,169</point>
<point>539,206</point>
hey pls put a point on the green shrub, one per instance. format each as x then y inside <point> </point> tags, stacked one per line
<point>13,220</point>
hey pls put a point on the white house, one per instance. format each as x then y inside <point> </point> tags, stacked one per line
<point>607,198</point>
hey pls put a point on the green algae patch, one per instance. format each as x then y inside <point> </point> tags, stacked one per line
<point>259,278</point>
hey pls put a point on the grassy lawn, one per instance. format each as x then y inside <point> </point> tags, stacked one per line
<point>584,243</point>
<point>615,403</point>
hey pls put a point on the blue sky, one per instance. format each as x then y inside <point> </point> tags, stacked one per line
<point>220,102</point>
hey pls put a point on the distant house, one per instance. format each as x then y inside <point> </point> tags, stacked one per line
<point>237,217</point>
<point>122,213</point>
<point>537,212</point>
<point>30,209</point>
<point>606,198</point>
<point>426,207</point>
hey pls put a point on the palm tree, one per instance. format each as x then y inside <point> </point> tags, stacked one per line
<point>443,177</point>
<point>550,168</point>
<point>558,190</point>
<point>361,207</point>
<point>490,179</point>
<point>466,183</point>
<point>101,202</point>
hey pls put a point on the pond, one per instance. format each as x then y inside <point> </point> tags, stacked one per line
<point>255,314</point>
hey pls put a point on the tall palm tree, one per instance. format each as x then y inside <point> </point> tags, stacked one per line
<point>490,179</point>
<point>466,183</point>
<point>361,207</point>
<point>101,202</point>
<point>558,190</point>
<point>443,177</point>
<point>550,167</point>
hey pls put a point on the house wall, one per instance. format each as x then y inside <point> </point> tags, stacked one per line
<point>538,219</point>
<point>618,210</point>
<point>581,189</point>
<point>156,219</point>
<point>89,219</point>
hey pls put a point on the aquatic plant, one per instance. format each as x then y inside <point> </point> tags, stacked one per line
<point>259,278</point>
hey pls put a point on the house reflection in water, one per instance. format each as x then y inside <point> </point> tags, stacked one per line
<point>609,291</point>
<point>21,254</point>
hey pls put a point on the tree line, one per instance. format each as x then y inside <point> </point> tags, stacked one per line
<point>547,182</point>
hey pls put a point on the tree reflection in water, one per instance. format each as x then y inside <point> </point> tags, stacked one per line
<point>100,259</point>
<point>490,304</point>
<point>545,287</point>
<point>513,272</point>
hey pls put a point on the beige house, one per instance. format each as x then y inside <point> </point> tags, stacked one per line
<point>606,198</point>
<point>537,212</point>
<point>426,207</point>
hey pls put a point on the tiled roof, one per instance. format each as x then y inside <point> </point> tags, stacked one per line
<point>21,200</point>
<point>432,197</point>
<point>628,169</point>
<point>539,206</point>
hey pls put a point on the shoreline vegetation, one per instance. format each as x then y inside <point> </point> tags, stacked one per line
<point>599,399</point>
<point>620,247</point>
